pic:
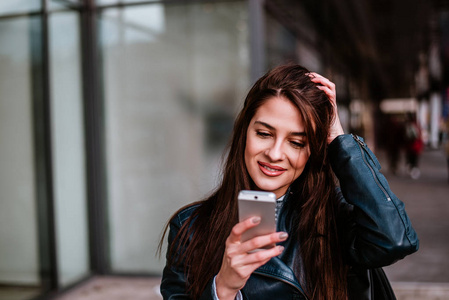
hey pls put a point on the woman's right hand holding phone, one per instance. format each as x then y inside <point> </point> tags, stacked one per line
<point>240,260</point>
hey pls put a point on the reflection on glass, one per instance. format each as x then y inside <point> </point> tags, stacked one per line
<point>58,4</point>
<point>283,46</point>
<point>19,260</point>
<point>280,43</point>
<point>19,6</point>
<point>64,4</point>
<point>105,2</point>
<point>174,75</point>
<point>68,148</point>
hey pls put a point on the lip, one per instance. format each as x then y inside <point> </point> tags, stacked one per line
<point>275,170</point>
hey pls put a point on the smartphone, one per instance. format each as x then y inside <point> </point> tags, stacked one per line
<point>258,204</point>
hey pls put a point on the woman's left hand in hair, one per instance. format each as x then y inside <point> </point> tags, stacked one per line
<point>328,87</point>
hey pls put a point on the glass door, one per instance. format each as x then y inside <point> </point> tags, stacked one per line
<point>19,238</point>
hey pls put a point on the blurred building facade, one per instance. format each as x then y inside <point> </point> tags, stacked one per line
<point>115,113</point>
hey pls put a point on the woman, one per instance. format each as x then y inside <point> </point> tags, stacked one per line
<point>288,140</point>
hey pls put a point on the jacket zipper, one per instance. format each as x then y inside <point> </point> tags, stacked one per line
<point>284,281</point>
<point>362,147</point>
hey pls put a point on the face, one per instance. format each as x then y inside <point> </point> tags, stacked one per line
<point>276,146</point>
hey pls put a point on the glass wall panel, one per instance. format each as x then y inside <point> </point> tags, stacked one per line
<point>174,78</point>
<point>68,148</point>
<point>19,6</point>
<point>19,260</point>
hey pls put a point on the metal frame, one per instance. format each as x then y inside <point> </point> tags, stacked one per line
<point>147,2</point>
<point>43,152</point>
<point>95,147</point>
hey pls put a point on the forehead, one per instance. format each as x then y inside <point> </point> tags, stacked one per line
<point>281,113</point>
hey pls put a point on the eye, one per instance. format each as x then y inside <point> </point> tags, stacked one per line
<point>263,134</point>
<point>297,145</point>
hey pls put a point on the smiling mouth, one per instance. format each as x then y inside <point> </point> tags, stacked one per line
<point>271,170</point>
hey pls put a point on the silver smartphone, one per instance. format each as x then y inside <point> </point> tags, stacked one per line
<point>257,204</point>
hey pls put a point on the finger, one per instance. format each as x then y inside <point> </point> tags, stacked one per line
<point>330,93</point>
<point>314,75</point>
<point>317,78</point>
<point>263,241</point>
<point>326,89</point>
<point>240,228</point>
<point>325,82</point>
<point>262,256</point>
<point>247,263</point>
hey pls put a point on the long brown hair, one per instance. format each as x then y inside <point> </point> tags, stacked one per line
<point>315,203</point>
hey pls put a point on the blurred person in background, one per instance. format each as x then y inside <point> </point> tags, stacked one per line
<point>331,242</point>
<point>446,145</point>
<point>413,145</point>
<point>447,157</point>
<point>394,141</point>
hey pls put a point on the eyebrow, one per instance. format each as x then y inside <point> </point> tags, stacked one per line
<point>302,133</point>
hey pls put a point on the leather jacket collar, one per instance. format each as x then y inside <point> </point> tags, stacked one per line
<point>281,267</point>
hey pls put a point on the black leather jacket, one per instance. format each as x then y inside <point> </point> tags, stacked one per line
<point>375,232</point>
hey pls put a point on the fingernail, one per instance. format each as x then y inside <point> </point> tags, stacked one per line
<point>281,248</point>
<point>256,220</point>
<point>283,235</point>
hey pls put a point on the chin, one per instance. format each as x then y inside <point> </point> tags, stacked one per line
<point>268,187</point>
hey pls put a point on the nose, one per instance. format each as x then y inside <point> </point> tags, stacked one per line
<point>275,151</point>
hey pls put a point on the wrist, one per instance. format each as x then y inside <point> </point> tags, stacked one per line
<point>223,291</point>
<point>334,132</point>
<point>332,137</point>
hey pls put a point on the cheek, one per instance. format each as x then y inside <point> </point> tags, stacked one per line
<point>248,153</point>
<point>301,159</point>
<point>251,148</point>
<point>247,158</point>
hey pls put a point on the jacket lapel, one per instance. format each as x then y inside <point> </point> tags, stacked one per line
<point>276,268</point>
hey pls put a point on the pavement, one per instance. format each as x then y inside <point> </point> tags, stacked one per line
<point>427,204</point>
<point>423,275</point>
